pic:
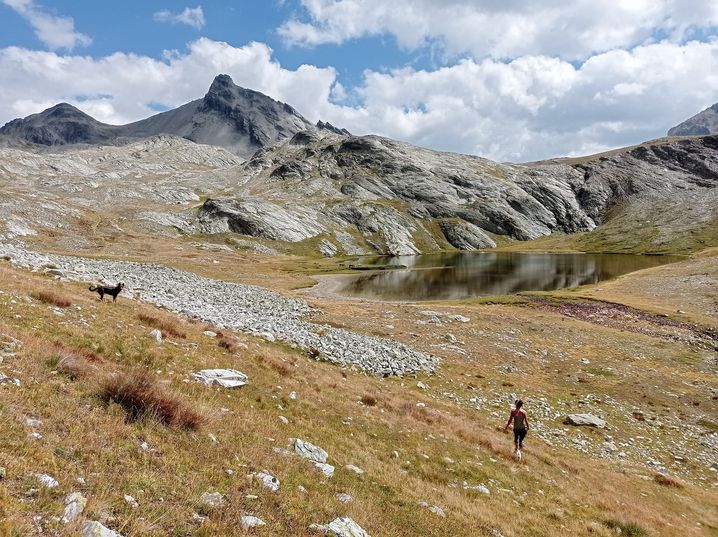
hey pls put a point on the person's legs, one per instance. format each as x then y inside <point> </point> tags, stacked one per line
<point>521,437</point>
<point>517,440</point>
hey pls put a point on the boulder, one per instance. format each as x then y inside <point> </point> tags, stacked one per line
<point>74,506</point>
<point>156,335</point>
<point>92,528</point>
<point>227,378</point>
<point>310,451</point>
<point>249,521</point>
<point>268,480</point>
<point>353,468</point>
<point>47,480</point>
<point>212,500</point>
<point>587,420</point>
<point>326,469</point>
<point>345,527</point>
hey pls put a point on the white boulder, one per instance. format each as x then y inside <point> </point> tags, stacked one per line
<point>92,528</point>
<point>227,378</point>
<point>310,451</point>
<point>249,521</point>
<point>74,506</point>
<point>345,527</point>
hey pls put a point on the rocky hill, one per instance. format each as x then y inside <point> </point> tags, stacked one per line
<point>344,195</point>
<point>705,122</point>
<point>228,116</point>
<point>354,194</point>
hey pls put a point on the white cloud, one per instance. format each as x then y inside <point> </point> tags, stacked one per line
<point>570,29</point>
<point>530,108</point>
<point>191,16</point>
<point>55,31</point>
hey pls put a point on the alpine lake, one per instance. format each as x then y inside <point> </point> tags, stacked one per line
<point>456,276</point>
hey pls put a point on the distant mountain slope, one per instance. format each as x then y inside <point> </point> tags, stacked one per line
<point>228,116</point>
<point>705,122</point>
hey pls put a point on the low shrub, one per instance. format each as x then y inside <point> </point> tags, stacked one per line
<point>667,481</point>
<point>53,298</point>
<point>141,398</point>
<point>627,529</point>
<point>369,400</point>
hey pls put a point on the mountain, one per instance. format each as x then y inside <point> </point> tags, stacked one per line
<point>228,116</point>
<point>705,122</point>
<point>59,125</point>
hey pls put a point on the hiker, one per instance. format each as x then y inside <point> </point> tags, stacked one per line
<point>521,426</point>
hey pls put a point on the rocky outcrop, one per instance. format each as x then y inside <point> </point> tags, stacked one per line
<point>464,235</point>
<point>705,122</point>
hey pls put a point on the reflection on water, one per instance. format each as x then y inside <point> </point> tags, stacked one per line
<point>462,275</point>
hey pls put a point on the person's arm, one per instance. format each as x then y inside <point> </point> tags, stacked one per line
<point>526,417</point>
<point>511,416</point>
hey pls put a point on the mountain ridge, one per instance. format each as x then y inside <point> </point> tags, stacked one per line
<point>230,116</point>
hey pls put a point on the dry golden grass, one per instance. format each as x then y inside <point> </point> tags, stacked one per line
<point>49,296</point>
<point>168,325</point>
<point>667,481</point>
<point>579,494</point>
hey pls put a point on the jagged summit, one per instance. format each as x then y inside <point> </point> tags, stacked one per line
<point>230,116</point>
<point>705,122</point>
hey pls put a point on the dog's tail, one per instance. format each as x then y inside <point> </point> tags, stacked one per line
<point>93,288</point>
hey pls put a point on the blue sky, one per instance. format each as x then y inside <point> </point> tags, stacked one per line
<point>511,80</point>
<point>129,26</point>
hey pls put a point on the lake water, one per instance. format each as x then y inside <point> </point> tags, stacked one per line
<point>463,275</point>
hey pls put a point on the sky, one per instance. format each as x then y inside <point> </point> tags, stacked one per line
<point>510,80</point>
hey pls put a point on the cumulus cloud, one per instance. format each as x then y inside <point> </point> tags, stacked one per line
<point>569,29</point>
<point>191,16</point>
<point>530,108</point>
<point>55,31</point>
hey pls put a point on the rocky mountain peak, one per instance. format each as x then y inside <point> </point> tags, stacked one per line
<point>705,122</point>
<point>60,124</point>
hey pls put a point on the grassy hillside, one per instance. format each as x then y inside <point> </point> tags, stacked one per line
<point>193,439</point>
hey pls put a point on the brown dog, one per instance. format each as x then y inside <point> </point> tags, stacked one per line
<point>108,290</point>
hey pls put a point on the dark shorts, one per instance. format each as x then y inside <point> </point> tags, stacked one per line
<point>519,435</point>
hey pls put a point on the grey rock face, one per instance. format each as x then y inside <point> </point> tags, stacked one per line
<point>465,235</point>
<point>239,119</point>
<point>389,193</point>
<point>392,194</point>
<point>258,218</point>
<point>705,122</point>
